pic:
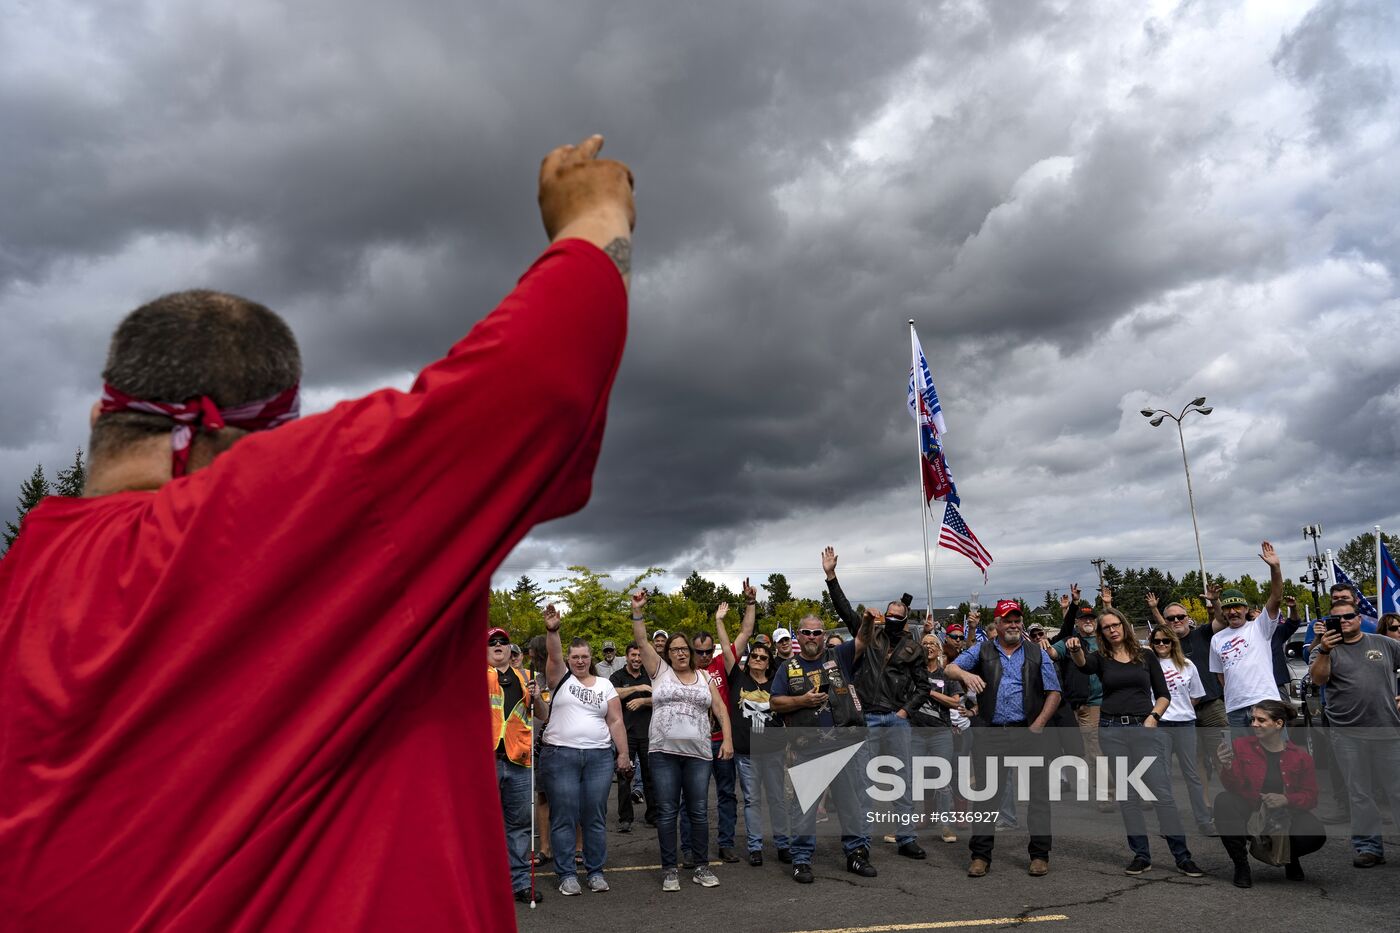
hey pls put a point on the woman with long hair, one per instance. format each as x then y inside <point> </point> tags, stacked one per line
<point>584,742</point>
<point>932,733</point>
<point>678,745</point>
<point>757,748</point>
<point>1179,721</point>
<point>1265,770</point>
<point>1135,696</point>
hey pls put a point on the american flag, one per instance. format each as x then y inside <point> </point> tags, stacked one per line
<point>956,536</point>
<point>1363,605</point>
<point>1390,582</point>
<point>927,412</point>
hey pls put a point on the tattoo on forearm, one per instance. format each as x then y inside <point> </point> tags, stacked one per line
<point>620,251</point>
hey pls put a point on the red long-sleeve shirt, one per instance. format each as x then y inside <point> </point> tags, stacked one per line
<point>254,699</point>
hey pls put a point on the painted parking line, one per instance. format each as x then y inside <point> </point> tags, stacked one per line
<point>942,924</point>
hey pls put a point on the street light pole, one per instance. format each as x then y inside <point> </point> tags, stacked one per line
<point>1157,416</point>
<point>1191,500</point>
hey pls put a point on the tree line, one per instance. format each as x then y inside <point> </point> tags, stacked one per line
<point>68,482</point>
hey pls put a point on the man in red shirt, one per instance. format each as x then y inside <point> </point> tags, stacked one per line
<point>240,684</point>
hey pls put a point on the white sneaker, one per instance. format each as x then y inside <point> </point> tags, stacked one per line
<point>597,883</point>
<point>672,880</point>
<point>570,886</point>
<point>704,877</point>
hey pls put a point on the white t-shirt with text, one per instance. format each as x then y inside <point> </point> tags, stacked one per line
<point>578,715</point>
<point>1185,686</point>
<point>1245,656</point>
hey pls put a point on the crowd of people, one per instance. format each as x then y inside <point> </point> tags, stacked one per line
<point>678,712</point>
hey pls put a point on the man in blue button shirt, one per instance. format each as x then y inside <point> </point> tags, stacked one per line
<point>1018,692</point>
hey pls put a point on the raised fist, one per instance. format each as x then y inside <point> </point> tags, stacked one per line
<point>576,185</point>
<point>639,602</point>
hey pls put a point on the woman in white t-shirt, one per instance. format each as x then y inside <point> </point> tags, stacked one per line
<point>678,745</point>
<point>583,743</point>
<point>1184,683</point>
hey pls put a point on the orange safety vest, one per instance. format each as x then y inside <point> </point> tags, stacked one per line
<point>513,726</point>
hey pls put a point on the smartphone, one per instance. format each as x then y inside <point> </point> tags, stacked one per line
<point>1334,624</point>
<point>907,599</point>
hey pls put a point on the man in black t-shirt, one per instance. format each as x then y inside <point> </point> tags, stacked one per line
<point>634,690</point>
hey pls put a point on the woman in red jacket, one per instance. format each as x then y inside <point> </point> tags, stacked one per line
<point>1266,768</point>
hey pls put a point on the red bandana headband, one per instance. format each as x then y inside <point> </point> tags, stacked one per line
<point>203,414</point>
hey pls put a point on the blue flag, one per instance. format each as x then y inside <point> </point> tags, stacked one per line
<point>1390,582</point>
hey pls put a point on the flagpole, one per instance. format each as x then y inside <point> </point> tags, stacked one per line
<point>923,492</point>
<point>1331,574</point>
<point>1379,601</point>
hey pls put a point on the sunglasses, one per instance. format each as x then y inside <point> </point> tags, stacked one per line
<point>1161,641</point>
<point>757,657</point>
<point>1344,616</point>
<point>1037,635</point>
<point>497,642</point>
<point>1392,628</point>
<point>1177,618</point>
<point>709,650</point>
<point>811,632</point>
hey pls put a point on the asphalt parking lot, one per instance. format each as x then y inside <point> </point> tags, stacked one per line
<point>1085,890</point>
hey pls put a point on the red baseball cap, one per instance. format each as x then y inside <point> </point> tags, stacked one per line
<point>1005,607</point>
<point>954,629</point>
<point>498,631</point>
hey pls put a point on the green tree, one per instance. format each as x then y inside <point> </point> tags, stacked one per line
<point>778,591</point>
<point>72,479</point>
<point>701,592</point>
<point>527,591</point>
<point>31,492</point>
<point>1358,559</point>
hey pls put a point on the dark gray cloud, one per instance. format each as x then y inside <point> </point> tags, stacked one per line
<point>1086,209</point>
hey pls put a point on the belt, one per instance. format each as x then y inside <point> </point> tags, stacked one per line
<point>1121,720</point>
<point>1020,724</point>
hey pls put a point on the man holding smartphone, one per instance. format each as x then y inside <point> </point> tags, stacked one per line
<point>1363,714</point>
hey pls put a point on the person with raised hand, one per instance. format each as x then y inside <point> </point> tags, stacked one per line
<point>1241,654</point>
<point>275,628</point>
<point>682,700</point>
<point>758,744</point>
<point>585,742</point>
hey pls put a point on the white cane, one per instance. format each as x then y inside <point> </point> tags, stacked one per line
<point>534,760</point>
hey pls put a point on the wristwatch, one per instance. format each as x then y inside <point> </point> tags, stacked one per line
<point>1155,717</point>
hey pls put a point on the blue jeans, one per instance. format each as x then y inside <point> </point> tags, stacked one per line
<point>1135,743</point>
<point>890,735</point>
<point>726,800</point>
<point>670,776</point>
<point>1239,722</point>
<point>577,781</point>
<point>848,791</point>
<point>936,742</point>
<point>762,776</point>
<point>1182,736</point>
<point>1368,765</point>
<point>513,782</point>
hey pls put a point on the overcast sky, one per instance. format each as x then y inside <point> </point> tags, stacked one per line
<point>1087,208</point>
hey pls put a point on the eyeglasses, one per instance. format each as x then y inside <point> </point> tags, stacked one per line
<point>1161,641</point>
<point>1037,635</point>
<point>709,650</point>
<point>679,649</point>
<point>811,632</point>
<point>1344,616</point>
<point>1392,628</point>
<point>497,642</point>
<point>757,657</point>
<point>1177,618</point>
<point>1111,625</point>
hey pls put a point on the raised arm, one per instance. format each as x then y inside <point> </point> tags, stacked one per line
<point>554,668</point>
<point>651,661</point>
<point>1152,607</point>
<point>1212,600</point>
<point>722,636</point>
<point>838,597</point>
<point>587,198</point>
<point>1270,557</point>
<point>750,620</point>
<point>1069,606</point>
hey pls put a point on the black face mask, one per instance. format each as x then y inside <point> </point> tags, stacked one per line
<point>894,626</point>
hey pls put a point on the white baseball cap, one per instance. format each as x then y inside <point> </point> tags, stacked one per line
<point>782,634</point>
